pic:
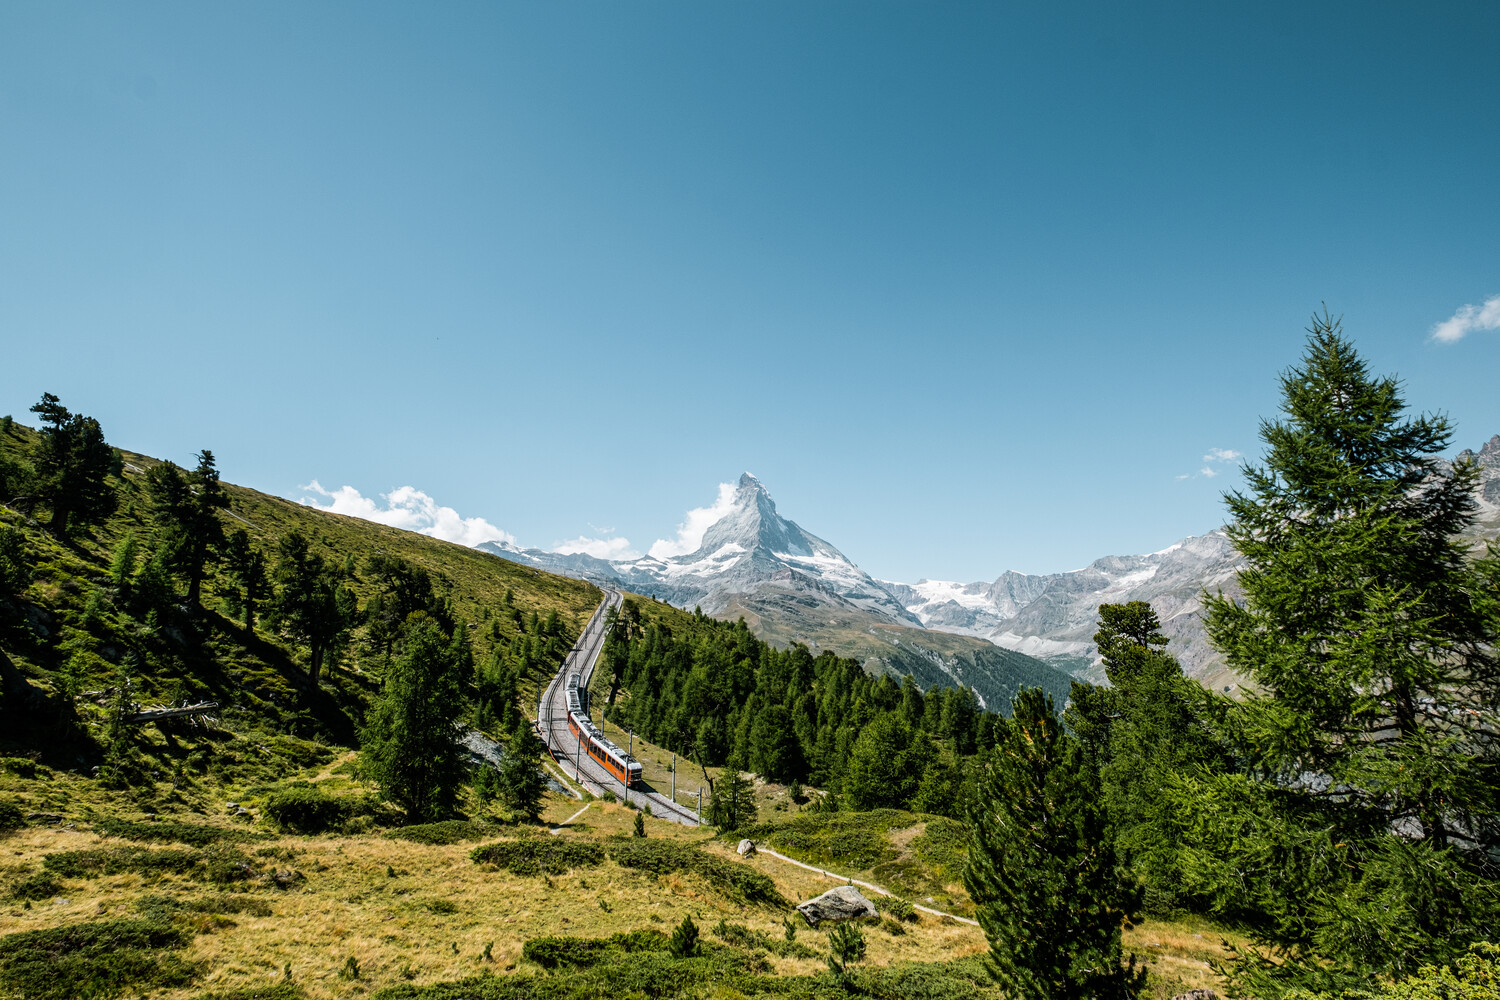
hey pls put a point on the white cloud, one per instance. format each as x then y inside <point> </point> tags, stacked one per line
<point>410,509</point>
<point>694,524</point>
<point>1468,319</point>
<point>599,548</point>
<point>1214,456</point>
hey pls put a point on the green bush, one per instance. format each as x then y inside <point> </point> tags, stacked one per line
<point>220,866</point>
<point>11,817</point>
<point>169,831</point>
<point>554,952</point>
<point>306,810</point>
<point>39,886</point>
<point>161,907</point>
<point>277,991</point>
<point>535,856</point>
<point>22,767</point>
<point>901,909</point>
<point>451,831</point>
<point>662,857</point>
<point>100,959</point>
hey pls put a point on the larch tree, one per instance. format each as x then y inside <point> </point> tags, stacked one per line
<point>1365,826</point>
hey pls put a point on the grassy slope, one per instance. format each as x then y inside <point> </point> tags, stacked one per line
<point>429,922</point>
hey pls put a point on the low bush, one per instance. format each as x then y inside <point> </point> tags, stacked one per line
<point>160,907</point>
<point>895,906</point>
<point>741,936</point>
<point>170,831</point>
<point>278,991</point>
<point>99,959</point>
<point>536,856</point>
<point>555,952</point>
<point>220,866</point>
<point>307,810</point>
<point>11,817</point>
<point>23,767</point>
<point>662,857</point>
<point>38,886</point>
<point>452,831</point>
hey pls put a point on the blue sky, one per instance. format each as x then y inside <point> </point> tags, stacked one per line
<point>970,287</point>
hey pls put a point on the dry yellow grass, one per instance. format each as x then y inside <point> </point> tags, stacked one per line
<point>400,929</point>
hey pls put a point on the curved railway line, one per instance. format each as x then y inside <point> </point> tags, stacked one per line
<point>571,750</point>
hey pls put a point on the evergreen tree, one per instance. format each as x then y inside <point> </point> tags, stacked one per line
<point>1140,734</point>
<point>846,945</point>
<point>884,766</point>
<point>1042,870</point>
<point>122,565</point>
<point>1366,827</point>
<point>247,568</point>
<point>73,465</point>
<point>640,825</point>
<point>774,751</point>
<point>308,604</point>
<point>521,784</point>
<point>15,564</point>
<point>410,743</point>
<point>186,507</point>
<point>684,943</point>
<point>732,802</point>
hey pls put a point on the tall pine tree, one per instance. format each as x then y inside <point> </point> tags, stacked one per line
<point>1366,828</point>
<point>410,742</point>
<point>73,465</point>
<point>1042,869</point>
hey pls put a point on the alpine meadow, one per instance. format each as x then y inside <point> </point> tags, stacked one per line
<point>343,790</point>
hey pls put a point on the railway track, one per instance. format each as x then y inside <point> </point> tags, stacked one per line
<point>552,726</point>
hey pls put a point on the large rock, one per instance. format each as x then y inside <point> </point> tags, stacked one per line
<point>843,903</point>
<point>1200,994</point>
<point>746,848</point>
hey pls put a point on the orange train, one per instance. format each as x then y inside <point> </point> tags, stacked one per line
<point>610,757</point>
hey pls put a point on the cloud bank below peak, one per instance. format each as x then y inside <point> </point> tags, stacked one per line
<point>694,524</point>
<point>411,509</point>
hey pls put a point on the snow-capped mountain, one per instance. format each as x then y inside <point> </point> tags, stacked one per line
<point>749,550</point>
<point>1053,616</point>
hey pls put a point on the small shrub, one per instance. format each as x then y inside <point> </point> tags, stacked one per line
<point>11,818</point>
<point>663,857</point>
<point>896,907</point>
<point>441,906</point>
<point>217,865</point>
<point>554,856</point>
<point>892,927</point>
<point>169,831</point>
<point>555,952</point>
<point>22,767</point>
<point>306,810</point>
<point>350,969</point>
<point>684,943</point>
<point>96,959</point>
<point>452,831</point>
<point>276,991</point>
<point>40,886</point>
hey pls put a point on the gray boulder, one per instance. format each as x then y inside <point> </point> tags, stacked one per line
<point>1199,994</point>
<point>843,903</point>
<point>746,848</point>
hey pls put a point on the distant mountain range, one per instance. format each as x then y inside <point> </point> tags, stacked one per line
<point>791,585</point>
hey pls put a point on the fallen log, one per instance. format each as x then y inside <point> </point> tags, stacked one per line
<point>158,714</point>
